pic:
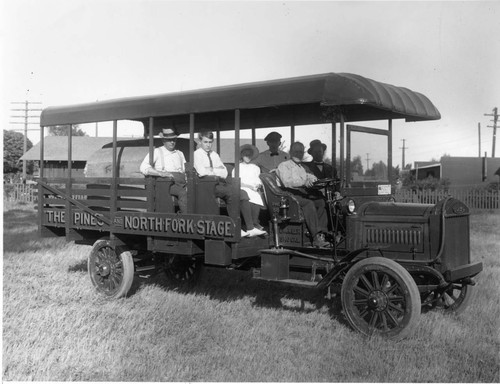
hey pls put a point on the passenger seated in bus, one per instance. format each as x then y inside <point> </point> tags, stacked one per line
<point>169,162</point>
<point>208,163</point>
<point>317,166</point>
<point>271,158</point>
<point>298,181</point>
<point>250,184</point>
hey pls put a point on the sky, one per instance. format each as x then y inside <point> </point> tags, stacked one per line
<point>61,52</point>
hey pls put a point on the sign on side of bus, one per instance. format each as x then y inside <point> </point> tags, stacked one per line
<point>186,226</point>
<point>79,219</point>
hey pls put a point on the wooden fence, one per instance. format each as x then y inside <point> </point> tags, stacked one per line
<point>474,198</point>
<point>27,193</point>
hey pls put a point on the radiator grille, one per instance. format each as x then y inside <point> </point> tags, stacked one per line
<point>394,236</point>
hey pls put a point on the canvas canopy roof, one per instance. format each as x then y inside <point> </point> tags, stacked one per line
<point>294,101</point>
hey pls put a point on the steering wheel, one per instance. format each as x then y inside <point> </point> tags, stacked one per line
<point>321,183</point>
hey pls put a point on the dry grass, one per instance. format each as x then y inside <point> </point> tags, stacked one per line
<point>228,328</point>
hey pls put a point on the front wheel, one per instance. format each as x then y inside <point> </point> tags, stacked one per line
<point>111,270</point>
<point>380,297</point>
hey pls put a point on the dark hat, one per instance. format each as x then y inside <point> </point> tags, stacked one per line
<point>316,143</point>
<point>273,136</point>
<point>168,133</point>
<point>253,148</point>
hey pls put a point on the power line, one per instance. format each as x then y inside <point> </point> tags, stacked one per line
<point>433,146</point>
<point>27,116</point>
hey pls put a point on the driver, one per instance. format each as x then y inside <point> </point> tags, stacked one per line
<point>298,181</point>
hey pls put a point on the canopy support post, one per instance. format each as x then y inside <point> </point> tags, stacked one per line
<point>151,142</point>
<point>191,138</point>
<point>150,181</point>
<point>235,206</point>
<point>41,167</point>
<point>334,148</point>
<point>114,181</point>
<point>68,181</point>
<point>343,182</point>
<point>389,149</point>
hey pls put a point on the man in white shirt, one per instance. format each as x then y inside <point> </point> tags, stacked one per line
<point>208,163</point>
<point>271,158</point>
<point>169,162</point>
<point>297,180</point>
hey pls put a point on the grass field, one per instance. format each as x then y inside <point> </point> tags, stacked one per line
<point>227,328</point>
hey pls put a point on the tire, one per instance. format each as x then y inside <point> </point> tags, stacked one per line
<point>182,269</point>
<point>379,297</point>
<point>111,270</point>
<point>455,299</point>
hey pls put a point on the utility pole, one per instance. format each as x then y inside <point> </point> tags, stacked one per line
<point>479,134</point>
<point>27,110</point>
<point>403,148</point>
<point>494,126</point>
<point>367,161</point>
<point>96,125</point>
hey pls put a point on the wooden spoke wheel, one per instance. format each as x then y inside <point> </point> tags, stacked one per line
<point>111,270</point>
<point>454,299</point>
<point>182,269</point>
<point>380,297</point>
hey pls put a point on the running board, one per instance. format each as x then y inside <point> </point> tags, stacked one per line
<point>301,283</point>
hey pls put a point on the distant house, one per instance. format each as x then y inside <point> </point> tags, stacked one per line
<point>460,171</point>
<point>425,169</point>
<point>56,154</point>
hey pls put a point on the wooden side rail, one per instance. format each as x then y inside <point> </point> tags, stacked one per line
<point>96,193</point>
<point>77,203</point>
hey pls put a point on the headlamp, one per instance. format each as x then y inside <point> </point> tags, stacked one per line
<point>351,206</point>
<point>347,206</point>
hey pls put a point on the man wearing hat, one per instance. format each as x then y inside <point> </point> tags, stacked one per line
<point>270,159</point>
<point>169,162</point>
<point>317,166</point>
<point>297,180</point>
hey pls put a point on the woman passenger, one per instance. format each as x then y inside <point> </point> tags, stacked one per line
<point>250,183</point>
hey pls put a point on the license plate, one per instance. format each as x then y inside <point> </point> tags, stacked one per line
<point>384,189</point>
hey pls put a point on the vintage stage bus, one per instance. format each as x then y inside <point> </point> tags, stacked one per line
<point>387,260</point>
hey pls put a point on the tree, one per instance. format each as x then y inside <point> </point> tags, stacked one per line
<point>13,147</point>
<point>396,173</point>
<point>357,165</point>
<point>378,171</point>
<point>62,130</point>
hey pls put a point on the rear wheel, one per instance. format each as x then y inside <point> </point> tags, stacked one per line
<point>111,269</point>
<point>380,297</point>
<point>455,298</point>
<point>182,269</point>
